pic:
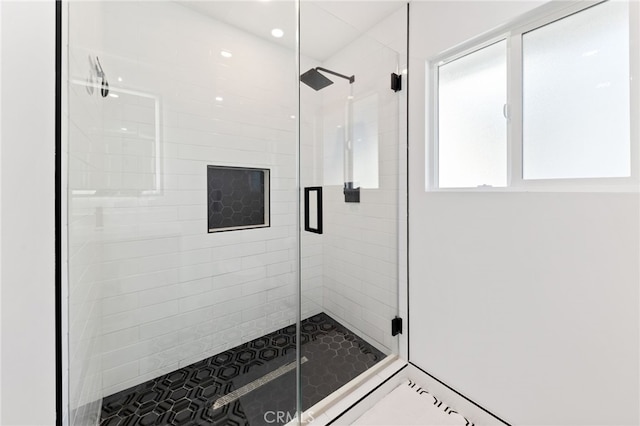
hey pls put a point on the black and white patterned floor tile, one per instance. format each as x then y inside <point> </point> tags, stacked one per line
<point>334,355</point>
<point>410,404</point>
<point>437,403</point>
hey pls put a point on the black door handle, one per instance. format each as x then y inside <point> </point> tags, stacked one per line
<point>316,192</point>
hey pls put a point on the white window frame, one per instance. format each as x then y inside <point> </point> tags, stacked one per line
<point>512,32</point>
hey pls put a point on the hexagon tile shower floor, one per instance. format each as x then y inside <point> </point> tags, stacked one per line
<point>236,380</point>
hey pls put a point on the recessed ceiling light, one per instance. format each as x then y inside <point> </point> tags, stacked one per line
<point>124,129</point>
<point>219,98</point>
<point>114,95</point>
<point>277,32</point>
<point>293,116</point>
<point>226,54</point>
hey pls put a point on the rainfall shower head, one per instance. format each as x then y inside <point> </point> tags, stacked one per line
<point>317,81</point>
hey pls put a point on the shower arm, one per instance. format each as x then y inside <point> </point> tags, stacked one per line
<point>351,79</point>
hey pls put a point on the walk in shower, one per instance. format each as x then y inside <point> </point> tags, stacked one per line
<point>236,206</point>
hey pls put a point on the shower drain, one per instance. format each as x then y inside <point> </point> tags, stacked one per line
<point>240,392</point>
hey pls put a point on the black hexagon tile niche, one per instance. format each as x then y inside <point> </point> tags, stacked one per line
<point>237,198</point>
<point>334,355</point>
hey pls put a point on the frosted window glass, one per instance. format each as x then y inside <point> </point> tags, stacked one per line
<point>472,130</point>
<point>576,96</point>
<point>365,142</point>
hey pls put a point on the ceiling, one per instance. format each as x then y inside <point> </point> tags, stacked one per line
<point>326,26</point>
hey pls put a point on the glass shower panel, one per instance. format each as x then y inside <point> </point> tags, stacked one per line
<point>353,146</point>
<point>182,124</point>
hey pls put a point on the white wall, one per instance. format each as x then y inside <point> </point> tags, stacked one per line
<point>527,303</point>
<point>167,293</point>
<point>27,200</point>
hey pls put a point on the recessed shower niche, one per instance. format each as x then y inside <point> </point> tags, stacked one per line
<point>237,198</point>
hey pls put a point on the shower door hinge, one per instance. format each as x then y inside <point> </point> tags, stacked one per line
<point>396,82</point>
<point>396,326</point>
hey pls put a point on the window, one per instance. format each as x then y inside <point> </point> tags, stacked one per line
<point>472,130</point>
<point>543,103</point>
<point>576,96</point>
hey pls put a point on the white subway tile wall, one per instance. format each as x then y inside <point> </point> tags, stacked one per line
<point>154,290</point>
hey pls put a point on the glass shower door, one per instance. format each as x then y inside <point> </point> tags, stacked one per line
<point>191,259</point>
<point>353,178</point>
<point>182,201</point>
